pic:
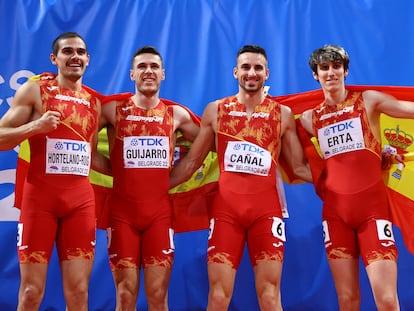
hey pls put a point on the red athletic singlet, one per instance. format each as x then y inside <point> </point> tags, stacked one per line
<point>247,199</point>
<point>351,150</point>
<point>140,211</point>
<point>355,201</point>
<point>57,184</point>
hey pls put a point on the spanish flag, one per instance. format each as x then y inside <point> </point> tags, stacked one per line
<point>396,138</point>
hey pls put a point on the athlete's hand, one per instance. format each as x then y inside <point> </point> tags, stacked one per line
<point>390,159</point>
<point>47,122</point>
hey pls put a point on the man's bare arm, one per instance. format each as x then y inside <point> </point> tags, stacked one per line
<point>202,144</point>
<point>292,149</point>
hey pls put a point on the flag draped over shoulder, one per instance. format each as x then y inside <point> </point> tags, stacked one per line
<point>191,199</point>
<point>396,135</point>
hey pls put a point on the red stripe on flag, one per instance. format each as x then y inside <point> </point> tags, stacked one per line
<point>402,212</point>
<point>191,209</point>
<point>21,172</point>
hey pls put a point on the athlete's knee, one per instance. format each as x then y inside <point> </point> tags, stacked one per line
<point>126,295</point>
<point>157,297</point>
<point>217,301</point>
<point>387,302</point>
<point>269,302</point>
<point>77,298</point>
<point>268,295</point>
<point>218,298</point>
<point>125,299</point>
<point>349,301</point>
<point>30,297</point>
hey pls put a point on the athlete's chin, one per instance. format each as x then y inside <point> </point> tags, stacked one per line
<point>149,93</point>
<point>251,89</point>
<point>74,75</point>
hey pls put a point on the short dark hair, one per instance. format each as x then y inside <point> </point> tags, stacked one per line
<point>252,48</point>
<point>144,50</point>
<point>65,35</point>
<point>329,53</point>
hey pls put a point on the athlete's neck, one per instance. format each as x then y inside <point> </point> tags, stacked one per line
<point>74,84</point>
<point>334,98</point>
<point>145,102</point>
<point>250,100</point>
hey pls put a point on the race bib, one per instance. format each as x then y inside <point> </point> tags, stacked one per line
<point>245,157</point>
<point>146,152</point>
<point>326,236</point>
<point>65,156</point>
<point>278,228</point>
<point>341,137</point>
<point>384,230</point>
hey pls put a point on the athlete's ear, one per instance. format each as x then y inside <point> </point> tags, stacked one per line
<point>235,71</point>
<point>315,76</point>
<point>163,75</point>
<point>53,58</point>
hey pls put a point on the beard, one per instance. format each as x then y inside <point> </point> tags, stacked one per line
<point>251,88</point>
<point>74,74</point>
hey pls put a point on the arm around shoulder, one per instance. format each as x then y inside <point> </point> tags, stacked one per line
<point>306,121</point>
<point>185,123</point>
<point>379,102</point>
<point>203,143</point>
<point>292,149</point>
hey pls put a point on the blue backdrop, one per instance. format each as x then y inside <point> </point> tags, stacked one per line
<point>199,40</point>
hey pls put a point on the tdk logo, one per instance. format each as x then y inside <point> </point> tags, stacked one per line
<point>339,127</point>
<point>70,146</point>
<point>249,148</point>
<point>146,142</point>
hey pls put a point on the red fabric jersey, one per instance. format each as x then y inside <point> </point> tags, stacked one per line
<point>78,122</point>
<point>354,169</point>
<point>263,129</point>
<point>141,166</point>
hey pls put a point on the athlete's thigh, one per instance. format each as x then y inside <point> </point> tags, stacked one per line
<point>221,278</point>
<point>225,242</point>
<point>268,274</point>
<point>127,279</point>
<point>124,245</point>
<point>76,273</point>
<point>266,238</point>
<point>77,228</point>
<point>33,275</point>
<point>156,280</point>
<point>345,272</point>
<point>340,239</point>
<point>382,275</point>
<point>37,227</point>
<point>158,243</point>
<point>376,240</point>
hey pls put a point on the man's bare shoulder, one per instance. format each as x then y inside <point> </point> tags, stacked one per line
<point>27,94</point>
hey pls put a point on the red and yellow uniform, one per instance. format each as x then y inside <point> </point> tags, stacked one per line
<point>247,203</point>
<point>356,217</point>
<point>58,199</point>
<point>139,204</point>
